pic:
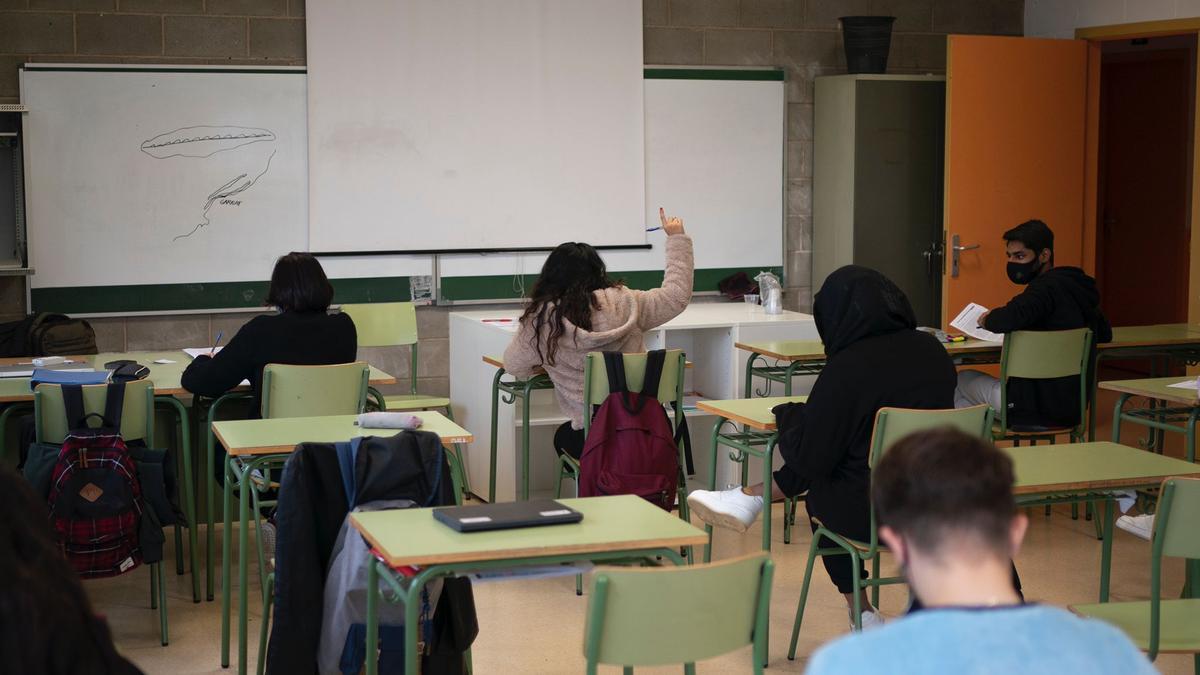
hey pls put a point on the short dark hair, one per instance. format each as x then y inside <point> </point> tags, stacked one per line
<point>1034,234</point>
<point>942,485</point>
<point>299,284</point>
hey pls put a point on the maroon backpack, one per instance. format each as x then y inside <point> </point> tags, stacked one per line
<point>631,448</point>
<point>95,497</point>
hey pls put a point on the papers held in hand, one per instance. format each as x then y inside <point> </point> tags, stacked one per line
<point>968,322</point>
<point>486,517</point>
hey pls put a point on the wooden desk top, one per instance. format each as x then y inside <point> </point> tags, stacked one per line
<point>814,351</point>
<point>1155,388</point>
<point>498,362</point>
<point>753,412</point>
<point>1071,467</point>
<point>621,523</point>
<point>280,436</point>
<point>1167,334</point>
<point>166,376</point>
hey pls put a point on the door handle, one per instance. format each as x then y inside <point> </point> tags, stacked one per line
<point>956,249</point>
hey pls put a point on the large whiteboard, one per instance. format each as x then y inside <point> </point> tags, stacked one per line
<point>474,124</point>
<point>156,175</point>
<point>715,157</point>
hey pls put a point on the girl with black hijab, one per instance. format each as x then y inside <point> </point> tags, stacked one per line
<point>875,358</point>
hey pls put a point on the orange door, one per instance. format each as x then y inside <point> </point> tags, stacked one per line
<point>1016,111</point>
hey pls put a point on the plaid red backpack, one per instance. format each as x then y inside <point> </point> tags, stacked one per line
<point>95,498</point>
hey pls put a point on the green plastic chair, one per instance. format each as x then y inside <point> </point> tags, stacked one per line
<point>137,423</point>
<point>891,424</point>
<point>595,390</point>
<point>298,391</point>
<point>663,615</point>
<point>1043,355</point>
<point>394,324</point>
<point>1160,626</point>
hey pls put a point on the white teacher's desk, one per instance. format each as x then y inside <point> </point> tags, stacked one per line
<point>706,332</point>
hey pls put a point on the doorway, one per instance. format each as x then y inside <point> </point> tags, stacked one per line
<point>1147,90</point>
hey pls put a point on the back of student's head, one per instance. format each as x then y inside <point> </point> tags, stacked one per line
<point>945,491</point>
<point>571,273</point>
<point>299,284</point>
<point>46,622</point>
<point>1034,234</point>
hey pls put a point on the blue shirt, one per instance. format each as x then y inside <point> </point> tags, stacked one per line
<point>1028,639</point>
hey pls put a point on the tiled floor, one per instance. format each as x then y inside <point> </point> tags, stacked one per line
<point>537,627</point>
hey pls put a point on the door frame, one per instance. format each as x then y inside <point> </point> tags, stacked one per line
<point>1096,36</point>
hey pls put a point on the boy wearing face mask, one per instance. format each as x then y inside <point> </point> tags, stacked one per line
<point>1055,298</point>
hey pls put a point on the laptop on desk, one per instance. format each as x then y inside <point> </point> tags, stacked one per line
<point>484,517</point>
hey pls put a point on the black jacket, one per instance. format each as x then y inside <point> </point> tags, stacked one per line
<point>298,338</point>
<point>1061,298</point>
<point>312,505</point>
<point>876,359</point>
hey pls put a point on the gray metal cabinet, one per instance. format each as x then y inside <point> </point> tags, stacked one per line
<point>878,158</point>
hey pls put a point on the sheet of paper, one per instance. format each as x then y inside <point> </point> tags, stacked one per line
<point>968,322</point>
<point>162,362</point>
<point>197,351</point>
<point>1186,384</point>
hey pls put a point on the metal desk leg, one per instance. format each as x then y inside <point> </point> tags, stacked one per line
<point>495,412</point>
<point>1106,547</point>
<point>525,400</point>
<point>226,563</point>
<point>1117,416</point>
<point>712,484</point>
<point>750,374</point>
<point>189,495</point>
<point>791,372</point>
<point>372,656</point>
<point>768,478</point>
<point>1190,434</point>
<point>244,489</point>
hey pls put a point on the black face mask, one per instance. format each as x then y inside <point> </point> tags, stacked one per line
<point>1023,273</point>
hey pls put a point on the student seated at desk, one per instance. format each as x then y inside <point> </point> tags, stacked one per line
<point>302,333</point>
<point>1055,298</point>
<point>946,512</point>
<point>48,624</point>
<point>876,358</point>
<point>575,308</point>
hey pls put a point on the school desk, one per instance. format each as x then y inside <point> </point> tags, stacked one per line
<point>1162,417</point>
<point>705,332</point>
<point>613,529</point>
<point>253,445</point>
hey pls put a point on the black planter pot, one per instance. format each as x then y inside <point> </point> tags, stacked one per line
<point>867,40</point>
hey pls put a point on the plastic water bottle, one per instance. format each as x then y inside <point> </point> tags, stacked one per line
<point>771,292</point>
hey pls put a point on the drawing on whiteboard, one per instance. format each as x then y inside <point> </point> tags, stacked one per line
<point>223,194</point>
<point>203,141</point>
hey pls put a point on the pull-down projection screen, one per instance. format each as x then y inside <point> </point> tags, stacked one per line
<point>474,124</point>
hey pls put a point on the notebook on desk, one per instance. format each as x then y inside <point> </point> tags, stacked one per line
<point>485,517</point>
<point>26,370</point>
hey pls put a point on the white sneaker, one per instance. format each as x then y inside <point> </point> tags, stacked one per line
<point>730,508</point>
<point>1139,526</point>
<point>870,619</point>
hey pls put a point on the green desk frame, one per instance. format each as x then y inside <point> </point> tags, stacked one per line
<point>1162,416</point>
<point>513,390</point>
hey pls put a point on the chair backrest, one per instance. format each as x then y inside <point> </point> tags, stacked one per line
<point>663,615</point>
<point>1043,355</point>
<point>1175,534</point>
<point>388,324</point>
<point>892,424</point>
<point>137,415</point>
<point>384,324</point>
<point>304,391</point>
<point>595,379</point>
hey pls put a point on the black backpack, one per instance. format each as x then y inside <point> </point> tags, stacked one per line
<point>60,335</point>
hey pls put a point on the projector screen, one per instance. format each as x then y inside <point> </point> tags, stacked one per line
<point>474,124</point>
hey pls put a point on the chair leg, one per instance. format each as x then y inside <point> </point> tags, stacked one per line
<point>856,575</point>
<point>466,482</point>
<point>265,629</point>
<point>153,585</point>
<point>812,558</point>
<point>562,471</point>
<point>162,607</point>
<point>578,584</point>
<point>178,549</point>
<point>787,521</point>
<point>875,575</point>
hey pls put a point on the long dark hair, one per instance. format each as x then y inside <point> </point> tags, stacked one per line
<point>48,622</point>
<point>564,291</point>
<point>299,284</point>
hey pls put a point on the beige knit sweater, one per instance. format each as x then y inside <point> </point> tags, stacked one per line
<point>617,325</point>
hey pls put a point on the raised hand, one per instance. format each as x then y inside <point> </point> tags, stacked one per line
<point>672,225</point>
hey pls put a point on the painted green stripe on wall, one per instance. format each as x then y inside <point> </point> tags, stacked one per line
<point>712,74</point>
<point>224,295</point>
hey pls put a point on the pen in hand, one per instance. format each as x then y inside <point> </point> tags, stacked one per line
<point>216,343</point>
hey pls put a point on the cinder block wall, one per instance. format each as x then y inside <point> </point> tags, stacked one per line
<point>801,36</point>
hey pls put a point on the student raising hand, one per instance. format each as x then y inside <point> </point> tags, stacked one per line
<point>672,225</point>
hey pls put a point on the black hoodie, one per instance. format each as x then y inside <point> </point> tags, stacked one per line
<point>1061,298</point>
<point>876,358</point>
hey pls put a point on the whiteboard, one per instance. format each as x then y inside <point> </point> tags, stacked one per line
<point>150,175</point>
<point>474,124</point>
<point>715,157</point>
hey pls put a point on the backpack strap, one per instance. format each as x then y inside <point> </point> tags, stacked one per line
<point>654,369</point>
<point>114,405</point>
<point>73,403</point>
<point>614,363</point>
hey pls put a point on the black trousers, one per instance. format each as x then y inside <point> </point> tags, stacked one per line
<point>568,441</point>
